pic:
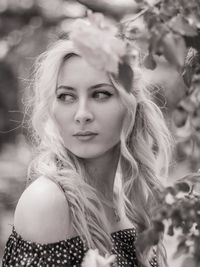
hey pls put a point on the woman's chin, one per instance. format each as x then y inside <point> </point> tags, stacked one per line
<point>88,155</point>
<point>95,153</point>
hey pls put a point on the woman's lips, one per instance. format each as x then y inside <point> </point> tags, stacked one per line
<point>85,136</point>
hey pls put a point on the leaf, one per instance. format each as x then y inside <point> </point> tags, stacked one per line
<point>158,226</point>
<point>181,249</point>
<point>186,133</point>
<point>195,121</point>
<point>170,190</point>
<point>147,238</point>
<point>149,62</point>
<point>185,148</point>
<point>167,10</point>
<point>174,49</point>
<point>194,18</point>
<point>193,178</point>
<point>143,240</point>
<point>116,9</point>
<point>188,105</point>
<point>183,186</point>
<point>125,75</point>
<point>179,116</point>
<point>170,231</point>
<point>181,238</point>
<point>180,25</point>
<point>151,2</point>
<point>176,217</point>
<point>187,75</point>
<point>154,237</point>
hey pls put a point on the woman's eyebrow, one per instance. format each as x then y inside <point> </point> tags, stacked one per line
<point>92,87</point>
<point>65,87</point>
<point>100,85</point>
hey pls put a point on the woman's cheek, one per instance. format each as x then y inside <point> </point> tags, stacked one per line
<point>59,115</point>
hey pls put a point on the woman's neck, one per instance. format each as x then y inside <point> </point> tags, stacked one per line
<point>102,171</point>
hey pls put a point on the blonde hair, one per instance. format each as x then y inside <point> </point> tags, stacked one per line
<point>145,141</point>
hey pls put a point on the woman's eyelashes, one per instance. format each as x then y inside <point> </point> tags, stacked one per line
<point>97,95</point>
<point>66,97</point>
<point>101,95</point>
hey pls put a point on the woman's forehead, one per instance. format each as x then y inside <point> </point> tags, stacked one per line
<point>76,70</point>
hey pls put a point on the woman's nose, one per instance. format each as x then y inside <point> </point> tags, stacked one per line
<point>83,114</point>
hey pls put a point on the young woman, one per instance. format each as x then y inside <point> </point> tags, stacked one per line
<point>101,153</point>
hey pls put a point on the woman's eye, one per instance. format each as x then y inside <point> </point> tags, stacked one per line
<point>66,97</point>
<point>102,95</point>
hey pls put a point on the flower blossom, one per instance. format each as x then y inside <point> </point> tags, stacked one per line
<point>93,259</point>
<point>169,199</point>
<point>95,40</point>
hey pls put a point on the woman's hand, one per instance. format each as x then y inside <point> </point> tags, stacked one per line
<point>93,259</point>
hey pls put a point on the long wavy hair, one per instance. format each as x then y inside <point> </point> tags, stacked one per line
<point>145,148</point>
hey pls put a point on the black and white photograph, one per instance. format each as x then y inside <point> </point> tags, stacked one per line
<point>100,133</point>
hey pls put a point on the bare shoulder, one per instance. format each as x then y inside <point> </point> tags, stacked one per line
<point>42,213</point>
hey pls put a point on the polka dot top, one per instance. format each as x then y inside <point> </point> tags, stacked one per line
<point>68,253</point>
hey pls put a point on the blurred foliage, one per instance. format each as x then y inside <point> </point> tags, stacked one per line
<point>8,95</point>
<point>170,30</point>
<point>178,209</point>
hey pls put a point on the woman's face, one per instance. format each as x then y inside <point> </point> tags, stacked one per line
<point>88,109</point>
